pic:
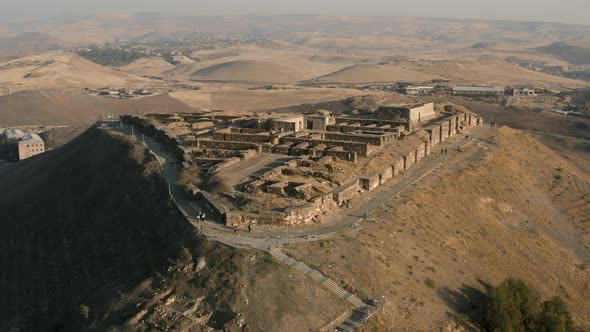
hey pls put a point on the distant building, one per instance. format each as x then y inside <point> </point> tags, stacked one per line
<point>13,135</point>
<point>524,90</point>
<point>142,92</point>
<point>30,145</point>
<point>419,90</point>
<point>478,90</point>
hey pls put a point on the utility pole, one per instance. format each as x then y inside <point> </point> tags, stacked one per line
<point>143,138</point>
<point>132,131</point>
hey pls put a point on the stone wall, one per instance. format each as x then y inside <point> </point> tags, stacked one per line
<point>370,182</point>
<point>434,132</point>
<point>369,139</point>
<point>346,192</point>
<point>224,164</point>
<point>213,207</point>
<point>226,145</point>
<point>341,154</point>
<point>169,143</point>
<point>231,135</point>
<point>421,150</point>
<point>362,149</point>
<point>235,218</point>
<point>444,131</point>
<point>398,166</point>
<point>385,175</point>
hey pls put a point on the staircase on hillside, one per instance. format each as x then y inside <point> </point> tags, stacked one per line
<point>362,310</point>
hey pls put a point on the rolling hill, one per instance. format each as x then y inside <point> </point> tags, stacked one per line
<point>61,70</point>
<point>458,72</point>
<point>374,73</point>
<point>54,107</point>
<point>147,67</point>
<point>30,41</point>
<point>248,71</point>
<point>576,55</point>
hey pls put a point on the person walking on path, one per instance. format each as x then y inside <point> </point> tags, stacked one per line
<point>235,229</point>
<point>249,227</point>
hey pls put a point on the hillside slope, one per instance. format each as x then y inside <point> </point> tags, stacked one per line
<point>51,107</point>
<point>89,241</point>
<point>147,66</point>
<point>576,55</point>
<point>247,71</point>
<point>458,72</point>
<point>373,73</point>
<point>61,70</point>
<point>507,206</point>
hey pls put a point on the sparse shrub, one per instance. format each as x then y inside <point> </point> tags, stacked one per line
<point>264,262</point>
<point>429,282</point>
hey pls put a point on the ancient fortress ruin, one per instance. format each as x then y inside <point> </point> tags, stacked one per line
<point>293,168</point>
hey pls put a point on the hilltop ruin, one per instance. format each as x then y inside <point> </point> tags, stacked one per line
<point>293,168</point>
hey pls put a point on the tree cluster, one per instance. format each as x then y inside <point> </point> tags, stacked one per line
<point>111,56</point>
<point>513,306</point>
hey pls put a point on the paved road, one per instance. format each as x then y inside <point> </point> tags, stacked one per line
<point>267,236</point>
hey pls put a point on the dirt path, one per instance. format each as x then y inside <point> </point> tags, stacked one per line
<point>268,236</point>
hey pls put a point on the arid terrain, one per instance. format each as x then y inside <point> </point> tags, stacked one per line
<point>100,232</point>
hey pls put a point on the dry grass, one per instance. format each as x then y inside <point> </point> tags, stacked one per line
<point>508,206</point>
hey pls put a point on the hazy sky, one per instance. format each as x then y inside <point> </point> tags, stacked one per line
<point>568,11</point>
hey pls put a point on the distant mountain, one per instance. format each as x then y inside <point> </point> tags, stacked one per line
<point>30,41</point>
<point>576,55</point>
<point>303,30</point>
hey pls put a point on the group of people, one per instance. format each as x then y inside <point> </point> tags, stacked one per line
<point>235,228</point>
<point>201,216</point>
<point>445,151</point>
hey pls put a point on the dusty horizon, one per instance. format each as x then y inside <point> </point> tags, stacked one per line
<point>567,11</point>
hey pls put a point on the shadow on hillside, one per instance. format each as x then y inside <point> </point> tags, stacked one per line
<point>466,300</point>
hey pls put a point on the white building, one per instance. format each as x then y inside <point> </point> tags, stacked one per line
<point>478,90</point>
<point>30,145</point>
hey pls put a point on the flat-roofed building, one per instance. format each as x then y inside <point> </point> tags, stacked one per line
<point>30,145</point>
<point>524,90</point>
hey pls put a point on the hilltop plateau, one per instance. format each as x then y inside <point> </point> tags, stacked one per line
<point>107,251</point>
